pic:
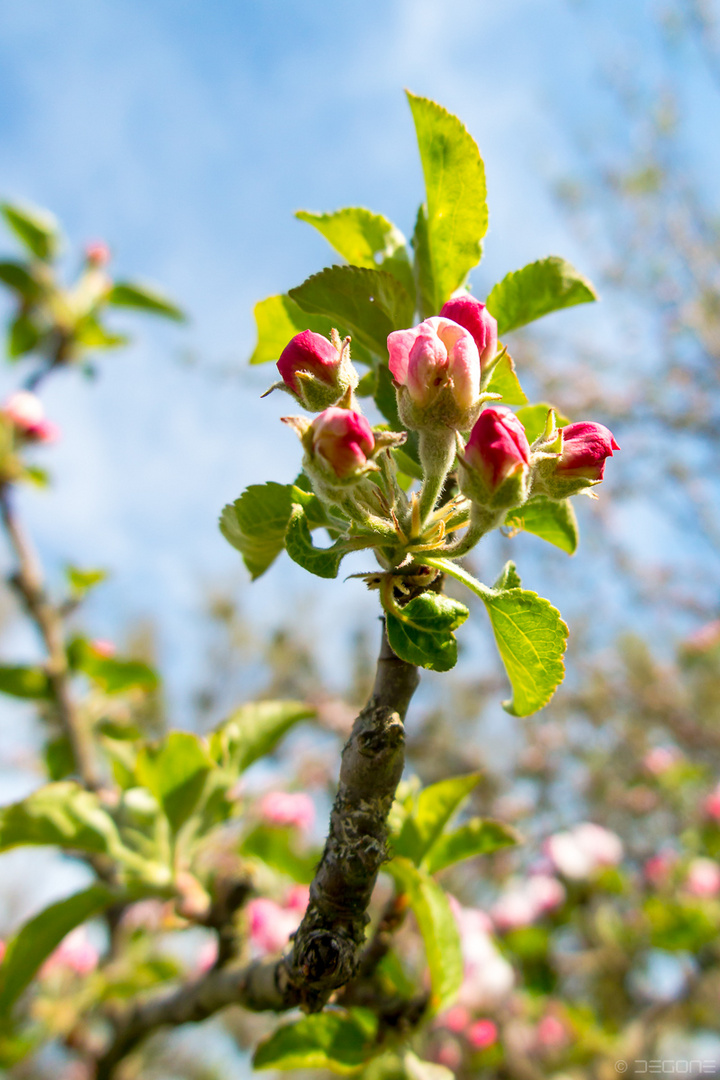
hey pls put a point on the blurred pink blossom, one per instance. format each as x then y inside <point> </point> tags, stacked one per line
<point>207,956</point>
<point>711,805</point>
<point>103,648</point>
<point>482,1033</point>
<point>658,868</point>
<point>288,808</point>
<point>74,953</point>
<point>456,1019</point>
<point>25,410</point>
<point>271,924</point>
<point>524,901</point>
<point>551,1033</point>
<point>703,877</point>
<point>579,853</point>
<point>3,948</point>
<point>449,1055</point>
<point>488,977</point>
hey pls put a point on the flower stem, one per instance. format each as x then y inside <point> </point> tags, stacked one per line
<point>437,453</point>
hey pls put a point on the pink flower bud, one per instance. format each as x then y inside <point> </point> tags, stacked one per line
<point>472,314</point>
<point>580,853</point>
<point>271,925</point>
<point>344,439</point>
<point>310,353</point>
<point>703,877</point>
<point>288,808</point>
<point>585,447</point>
<point>498,446</point>
<point>482,1033</point>
<point>97,253</point>
<point>455,1019</point>
<point>103,648</point>
<point>658,868</point>
<point>437,367</point>
<point>551,1033</point>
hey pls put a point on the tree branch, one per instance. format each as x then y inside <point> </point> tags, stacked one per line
<point>28,583</point>
<point>327,946</point>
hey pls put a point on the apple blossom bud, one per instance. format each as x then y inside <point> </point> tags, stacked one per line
<point>496,464</point>
<point>472,314</point>
<point>26,413</point>
<point>584,447</point>
<point>316,371</point>
<point>97,253</point>
<point>343,439</point>
<point>74,953</point>
<point>551,1033</point>
<point>295,809</point>
<point>436,367</point>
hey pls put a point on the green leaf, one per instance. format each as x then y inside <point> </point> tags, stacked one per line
<point>276,846</point>
<point>478,836</point>
<point>323,562</point>
<point>254,730</point>
<point>538,289</point>
<point>534,417</point>
<point>91,334</point>
<point>37,229</point>
<point>550,520</point>
<point>365,239</point>
<point>279,319</point>
<point>339,1041</point>
<point>131,294</point>
<point>24,682</point>
<point>82,581</point>
<point>370,303</point>
<point>530,635</point>
<point>175,771</point>
<point>438,928</point>
<point>433,809</point>
<point>63,814</point>
<point>424,633</point>
<point>456,206</point>
<point>256,523</point>
<point>23,337</point>
<point>17,276</point>
<point>504,381</point>
<point>39,937</point>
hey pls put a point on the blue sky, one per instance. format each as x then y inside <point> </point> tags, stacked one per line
<point>186,135</point>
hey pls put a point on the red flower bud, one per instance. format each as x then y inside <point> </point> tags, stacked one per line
<point>312,354</point>
<point>498,446</point>
<point>477,320</point>
<point>585,447</point>
<point>97,253</point>
<point>344,439</point>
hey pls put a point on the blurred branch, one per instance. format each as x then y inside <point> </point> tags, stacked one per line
<point>327,947</point>
<point>28,583</point>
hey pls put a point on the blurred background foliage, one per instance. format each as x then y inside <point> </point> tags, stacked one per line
<point>627,965</point>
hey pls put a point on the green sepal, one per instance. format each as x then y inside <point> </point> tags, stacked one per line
<point>423,634</point>
<point>534,419</point>
<point>538,289</point>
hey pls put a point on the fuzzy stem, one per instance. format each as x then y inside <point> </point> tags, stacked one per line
<point>437,453</point>
<point>482,521</point>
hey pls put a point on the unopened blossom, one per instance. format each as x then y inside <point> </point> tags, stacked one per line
<point>25,410</point>
<point>496,464</point>
<point>472,314</point>
<point>585,448</point>
<point>658,869</point>
<point>581,852</point>
<point>288,808</point>
<point>703,877</point>
<point>436,367</point>
<point>317,371</point>
<point>104,648</point>
<point>74,953</point>
<point>97,253</point>
<point>343,439</point>
<point>661,758</point>
<point>457,1018</point>
<point>481,1034</point>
